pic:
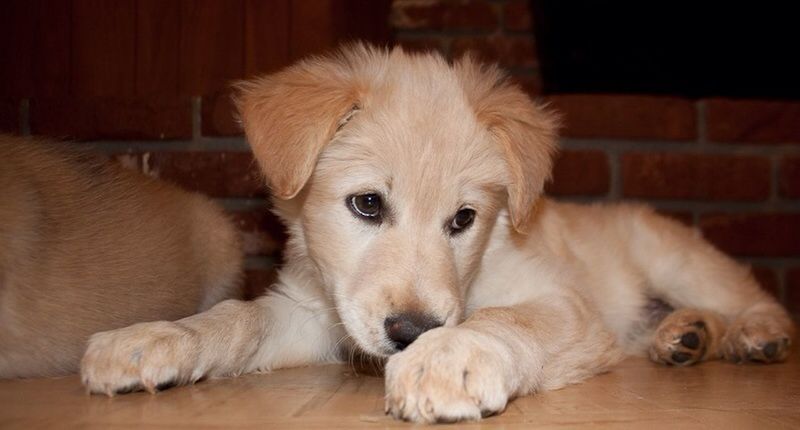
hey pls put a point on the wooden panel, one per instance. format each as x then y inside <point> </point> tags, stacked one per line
<point>52,32</point>
<point>16,47</point>
<point>636,394</point>
<point>312,27</point>
<point>9,116</point>
<point>34,47</point>
<point>157,47</point>
<point>266,49</point>
<point>211,48</point>
<point>103,48</point>
<point>319,25</point>
<point>363,20</point>
<point>266,35</point>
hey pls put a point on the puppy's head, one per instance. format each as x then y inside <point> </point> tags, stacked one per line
<point>391,170</point>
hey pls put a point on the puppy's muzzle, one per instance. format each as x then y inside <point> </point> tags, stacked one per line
<point>403,329</point>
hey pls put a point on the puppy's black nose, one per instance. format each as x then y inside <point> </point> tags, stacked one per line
<point>403,329</point>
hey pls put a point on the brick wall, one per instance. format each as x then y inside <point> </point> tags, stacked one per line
<point>146,81</point>
<point>139,88</point>
<point>731,168</point>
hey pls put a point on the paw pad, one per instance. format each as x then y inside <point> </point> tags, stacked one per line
<point>690,340</point>
<point>679,343</point>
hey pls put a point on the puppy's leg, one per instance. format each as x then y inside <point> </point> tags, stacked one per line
<point>740,321</point>
<point>231,338</point>
<point>472,370</point>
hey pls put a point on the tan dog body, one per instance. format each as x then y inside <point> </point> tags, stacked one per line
<point>86,245</point>
<point>533,295</point>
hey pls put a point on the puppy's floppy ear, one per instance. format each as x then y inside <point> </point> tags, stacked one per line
<point>289,116</point>
<point>526,132</point>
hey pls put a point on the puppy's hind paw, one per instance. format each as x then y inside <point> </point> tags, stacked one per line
<point>759,339</point>
<point>681,339</point>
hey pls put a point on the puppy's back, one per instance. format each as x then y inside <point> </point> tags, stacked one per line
<point>86,246</point>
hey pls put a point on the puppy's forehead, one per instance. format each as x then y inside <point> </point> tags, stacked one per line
<point>425,95</point>
<point>417,135</point>
<point>418,113</point>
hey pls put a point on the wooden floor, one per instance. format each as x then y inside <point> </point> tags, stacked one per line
<point>638,394</point>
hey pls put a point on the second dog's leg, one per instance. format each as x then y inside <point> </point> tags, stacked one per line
<point>722,311</point>
<point>233,337</point>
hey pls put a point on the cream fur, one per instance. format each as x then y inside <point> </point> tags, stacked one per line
<point>534,296</point>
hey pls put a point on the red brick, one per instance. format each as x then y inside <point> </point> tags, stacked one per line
<point>217,174</point>
<point>756,234</point>
<point>219,116</point>
<point>626,116</point>
<point>9,116</point>
<point>789,180</point>
<point>580,173</point>
<point>685,218</point>
<point>793,290</point>
<point>507,51</point>
<point>262,232</point>
<point>517,15</point>
<point>111,118</point>
<point>753,121</point>
<point>768,280</point>
<point>530,83</point>
<point>443,15</point>
<point>258,281</point>
<point>695,176</point>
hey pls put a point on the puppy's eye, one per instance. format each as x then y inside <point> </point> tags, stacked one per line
<point>462,220</point>
<point>367,206</point>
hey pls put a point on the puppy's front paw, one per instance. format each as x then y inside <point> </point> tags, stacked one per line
<point>151,356</point>
<point>448,375</point>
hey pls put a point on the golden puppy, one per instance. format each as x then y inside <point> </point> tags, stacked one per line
<point>411,191</point>
<point>86,245</point>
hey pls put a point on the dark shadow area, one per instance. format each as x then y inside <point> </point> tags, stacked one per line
<point>687,48</point>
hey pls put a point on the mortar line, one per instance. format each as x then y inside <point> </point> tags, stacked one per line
<point>700,117</point>
<point>197,117</point>
<point>774,178</point>
<point>780,274</point>
<point>232,144</point>
<point>244,203</point>
<point>703,206</point>
<point>684,147</point>
<point>615,184</point>
<point>263,262</point>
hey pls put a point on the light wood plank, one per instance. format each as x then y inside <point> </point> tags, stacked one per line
<point>637,394</point>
